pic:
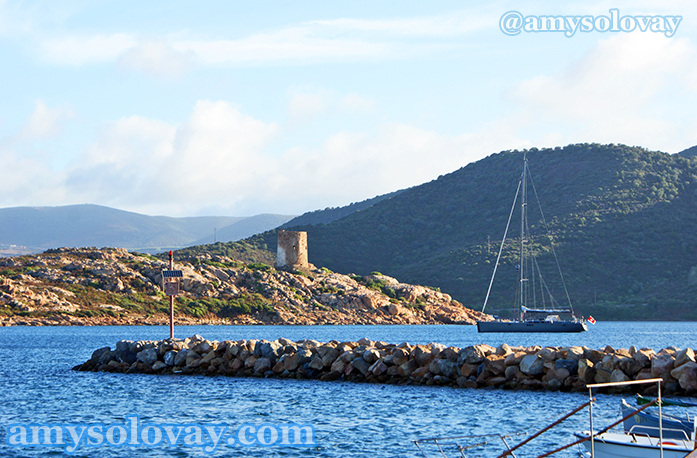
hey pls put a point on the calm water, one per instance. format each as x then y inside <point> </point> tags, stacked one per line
<point>350,420</point>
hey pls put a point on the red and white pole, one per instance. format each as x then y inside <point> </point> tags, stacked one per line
<point>171,300</point>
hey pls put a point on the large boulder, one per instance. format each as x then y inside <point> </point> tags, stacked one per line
<point>169,357</point>
<point>602,375</point>
<point>271,349</point>
<point>262,365</point>
<point>568,364</point>
<point>618,376</point>
<point>359,364</point>
<point>475,354</point>
<point>180,357</point>
<point>513,359</point>
<point>684,356</point>
<point>400,356</point>
<point>98,354</point>
<point>495,364</point>
<point>586,371</point>
<point>680,370</point>
<point>124,353</point>
<point>406,369</point>
<point>532,365</point>
<point>688,377</point>
<point>147,356</point>
<point>631,366</point>
<point>574,353</point>
<point>316,363</point>
<point>662,364</point>
<point>297,359</point>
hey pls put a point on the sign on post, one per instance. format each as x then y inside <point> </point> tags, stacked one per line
<point>170,281</point>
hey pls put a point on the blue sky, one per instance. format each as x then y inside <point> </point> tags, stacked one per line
<point>238,107</point>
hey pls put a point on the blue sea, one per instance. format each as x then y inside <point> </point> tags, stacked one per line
<point>346,419</point>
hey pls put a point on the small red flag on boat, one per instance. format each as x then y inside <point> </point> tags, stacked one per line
<point>591,320</point>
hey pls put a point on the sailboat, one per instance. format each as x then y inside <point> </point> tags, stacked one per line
<point>530,318</point>
<point>646,434</point>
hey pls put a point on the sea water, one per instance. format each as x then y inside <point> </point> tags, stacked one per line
<point>347,419</point>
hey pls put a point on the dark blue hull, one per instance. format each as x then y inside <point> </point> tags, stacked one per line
<point>531,326</point>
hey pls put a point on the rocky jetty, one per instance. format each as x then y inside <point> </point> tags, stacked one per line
<point>89,286</point>
<point>478,366</point>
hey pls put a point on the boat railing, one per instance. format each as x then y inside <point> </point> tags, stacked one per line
<point>462,445</point>
<point>442,442</point>
<point>591,436</point>
<point>654,432</point>
<point>657,401</point>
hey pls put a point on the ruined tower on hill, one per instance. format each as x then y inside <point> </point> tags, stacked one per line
<point>292,250</point>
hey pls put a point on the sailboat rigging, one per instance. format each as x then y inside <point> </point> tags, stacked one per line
<point>530,318</point>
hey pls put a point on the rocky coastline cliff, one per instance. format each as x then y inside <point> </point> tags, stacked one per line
<point>110,286</point>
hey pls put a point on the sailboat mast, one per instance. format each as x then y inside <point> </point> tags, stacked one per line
<point>523,215</point>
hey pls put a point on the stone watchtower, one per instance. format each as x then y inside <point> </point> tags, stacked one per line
<point>292,250</point>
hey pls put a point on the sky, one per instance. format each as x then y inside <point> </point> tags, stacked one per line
<point>237,108</point>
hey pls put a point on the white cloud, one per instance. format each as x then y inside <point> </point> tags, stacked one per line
<point>157,58</point>
<point>135,142</point>
<point>344,39</point>
<point>221,160</point>
<point>26,176</point>
<point>351,166</point>
<point>357,103</point>
<point>295,44</point>
<point>308,103</point>
<point>87,49</point>
<point>618,92</point>
<point>219,148</point>
<point>45,122</point>
<point>24,180</point>
<point>227,162</point>
<point>455,24</point>
<point>304,105</point>
<point>215,158</point>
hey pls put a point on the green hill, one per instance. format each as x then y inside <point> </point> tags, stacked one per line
<point>689,152</point>
<point>623,221</point>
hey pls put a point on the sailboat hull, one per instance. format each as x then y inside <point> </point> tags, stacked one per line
<point>614,445</point>
<point>531,326</point>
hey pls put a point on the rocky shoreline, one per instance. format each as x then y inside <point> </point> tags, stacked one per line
<point>110,286</point>
<point>135,320</point>
<point>478,366</point>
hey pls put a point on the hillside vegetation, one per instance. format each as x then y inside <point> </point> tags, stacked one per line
<point>77,286</point>
<point>622,219</point>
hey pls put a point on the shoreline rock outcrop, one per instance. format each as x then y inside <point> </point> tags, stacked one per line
<point>110,286</point>
<point>478,366</point>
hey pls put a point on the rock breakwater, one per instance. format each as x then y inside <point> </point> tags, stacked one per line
<point>478,366</point>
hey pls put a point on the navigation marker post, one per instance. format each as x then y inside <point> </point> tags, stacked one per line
<point>170,285</point>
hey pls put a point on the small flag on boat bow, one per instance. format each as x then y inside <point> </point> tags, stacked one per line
<point>591,320</point>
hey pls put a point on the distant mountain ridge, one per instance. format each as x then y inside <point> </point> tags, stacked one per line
<point>244,227</point>
<point>623,221</point>
<point>332,214</point>
<point>41,228</point>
